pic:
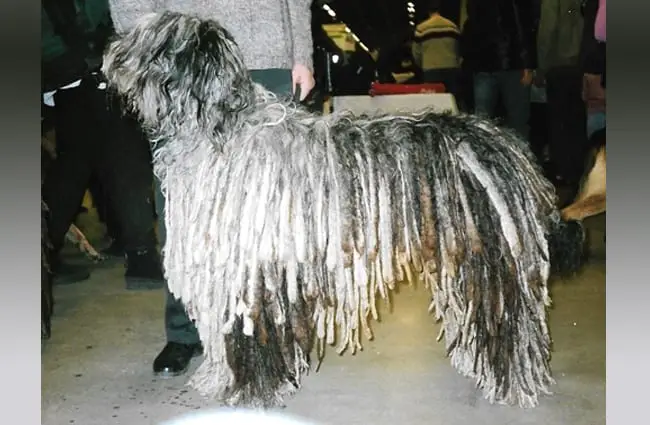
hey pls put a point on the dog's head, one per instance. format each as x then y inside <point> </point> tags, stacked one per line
<point>176,70</point>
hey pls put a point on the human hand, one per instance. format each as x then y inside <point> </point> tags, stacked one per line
<point>527,77</point>
<point>303,77</point>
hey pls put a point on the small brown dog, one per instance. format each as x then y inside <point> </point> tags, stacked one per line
<point>591,199</point>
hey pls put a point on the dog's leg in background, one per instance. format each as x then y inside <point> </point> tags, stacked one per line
<point>77,237</point>
<point>591,199</point>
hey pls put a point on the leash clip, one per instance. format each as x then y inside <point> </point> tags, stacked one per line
<point>297,94</point>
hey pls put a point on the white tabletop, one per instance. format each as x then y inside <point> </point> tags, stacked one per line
<point>396,103</point>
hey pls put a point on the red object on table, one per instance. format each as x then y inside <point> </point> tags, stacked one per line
<point>382,89</point>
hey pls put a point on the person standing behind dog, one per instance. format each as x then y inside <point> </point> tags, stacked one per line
<point>435,50</point>
<point>92,137</point>
<point>559,49</point>
<point>498,49</point>
<point>592,52</point>
<point>276,41</point>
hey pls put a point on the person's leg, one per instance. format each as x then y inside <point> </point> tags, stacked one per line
<point>66,181</point>
<point>183,341</point>
<point>538,134</point>
<point>450,77</point>
<point>128,177</point>
<point>516,101</point>
<point>486,94</point>
<point>453,82</point>
<point>107,217</point>
<point>568,127</point>
<point>98,194</point>
<point>116,247</point>
<point>432,76</point>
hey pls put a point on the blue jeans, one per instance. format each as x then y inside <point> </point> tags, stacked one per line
<point>595,122</point>
<point>178,326</point>
<point>490,86</point>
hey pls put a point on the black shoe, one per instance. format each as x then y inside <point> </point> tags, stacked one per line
<point>144,270</point>
<point>65,274</point>
<point>175,358</point>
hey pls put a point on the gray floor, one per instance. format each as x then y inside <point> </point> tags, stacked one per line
<point>96,369</point>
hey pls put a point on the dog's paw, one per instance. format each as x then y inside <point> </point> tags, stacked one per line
<point>97,258</point>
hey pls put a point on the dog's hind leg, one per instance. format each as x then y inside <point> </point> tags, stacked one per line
<point>591,199</point>
<point>584,208</point>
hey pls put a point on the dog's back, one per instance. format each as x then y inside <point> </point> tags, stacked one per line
<point>591,199</point>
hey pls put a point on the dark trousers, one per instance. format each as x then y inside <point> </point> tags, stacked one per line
<point>93,138</point>
<point>490,87</point>
<point>451,78</point>
<point>104,208</point>
<point>567,121</point>
<point>538,129</point>
<point>178,326</point>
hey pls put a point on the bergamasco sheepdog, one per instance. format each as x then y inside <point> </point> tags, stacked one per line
<point>284,227</point>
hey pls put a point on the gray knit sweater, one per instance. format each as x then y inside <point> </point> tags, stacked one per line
<point>270,33</point>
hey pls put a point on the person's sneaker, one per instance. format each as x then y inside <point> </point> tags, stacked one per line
<point>175,358</point>
<point>144,270</point>
<point>65,274</point>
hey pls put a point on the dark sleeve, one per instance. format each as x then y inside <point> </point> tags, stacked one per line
<point>592,54</point>
<point>416,52</point>
<point>546,30</point>
<point>594,59</point>
<point>525,13</point>
<point>60,63</point>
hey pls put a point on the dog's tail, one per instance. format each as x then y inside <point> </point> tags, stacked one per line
<point>567,245</point>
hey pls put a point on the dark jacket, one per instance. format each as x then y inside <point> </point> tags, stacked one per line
<point>592,52</point>
<point>499,35</point>
<point>560,34</point>
<point>74,34</point>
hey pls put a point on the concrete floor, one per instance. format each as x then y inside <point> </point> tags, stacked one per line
<point>96,369</point>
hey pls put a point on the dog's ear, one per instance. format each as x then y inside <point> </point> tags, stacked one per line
<point>211,72</point>
<point>177,71</point>
<point>135,68</point>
